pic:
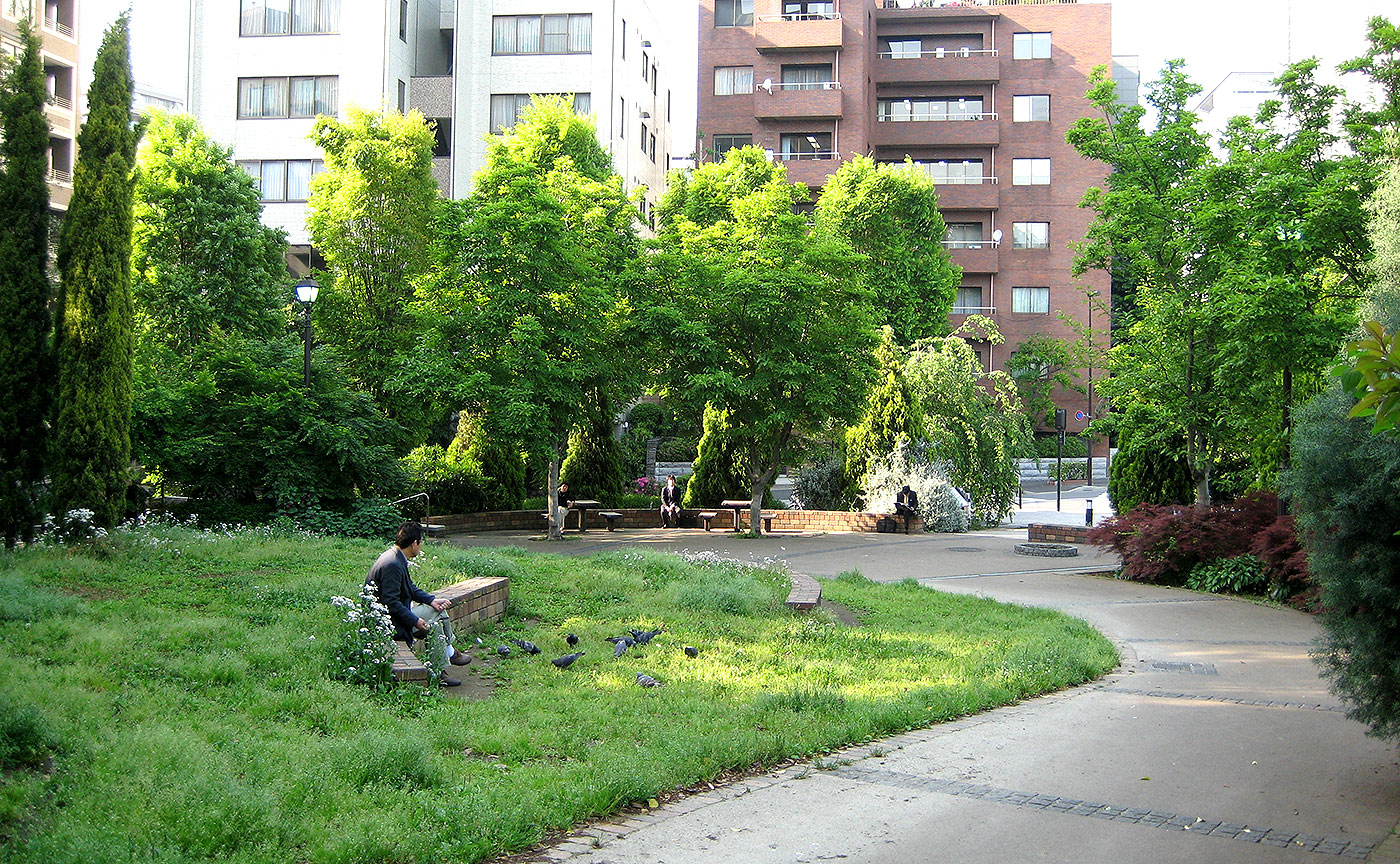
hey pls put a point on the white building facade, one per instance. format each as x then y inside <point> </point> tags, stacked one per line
<point>261,71</point>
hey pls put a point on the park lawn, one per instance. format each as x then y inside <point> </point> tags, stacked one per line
<point>191,716</point>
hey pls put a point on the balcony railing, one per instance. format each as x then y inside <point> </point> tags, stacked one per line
<point>973,310</point>
<point>58,101</point>
<point>971,244</point>
<point>803,85</point>
<point>944,4</point>
<point>934,118</point>
<point>815,155</point>
<point>803,16</point>
<point>58,175</point>
<point>55,26</point>
<point>938,54</point>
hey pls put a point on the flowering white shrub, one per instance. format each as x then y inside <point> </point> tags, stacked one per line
<point>363,652</point>
<point>942,507</point>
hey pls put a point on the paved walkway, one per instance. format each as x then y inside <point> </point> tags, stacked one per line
<point>1214,742</point>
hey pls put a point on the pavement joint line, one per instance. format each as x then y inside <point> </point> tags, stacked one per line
<point>1128,815</point>
<point>1262,702</point>
<point>1087,569</point>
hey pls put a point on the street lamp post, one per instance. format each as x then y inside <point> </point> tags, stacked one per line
<point>1088,439</point>
<point>307,289</point>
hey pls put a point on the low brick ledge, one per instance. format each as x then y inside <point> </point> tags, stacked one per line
<point>1040,533</point>
<point>806,592</point>
<point>470,601</point>
<point>783,520</point>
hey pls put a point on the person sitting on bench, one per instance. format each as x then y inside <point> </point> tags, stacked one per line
<point>906,504</point>
<point>566,503</point>
<point>414,611</point>
<point>671,503</point>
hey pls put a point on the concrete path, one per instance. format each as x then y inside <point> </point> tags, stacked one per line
<point>1214,742</point>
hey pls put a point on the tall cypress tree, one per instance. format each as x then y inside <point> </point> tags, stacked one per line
<point>26,363</point>
<point>92,426</point>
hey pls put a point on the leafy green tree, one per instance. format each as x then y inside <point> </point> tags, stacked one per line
<point>1042,366</point>
<point>92,423</point>
<point>371,214</point>
<point>1371,128</point>
<point>202,262</point>
<point>889,214</point>
<point>1342,484</point>
<point>891,414</point>
<point>26,361</point>
<point>1148,470</point>
<point>972,418</point>
<point>720,469</point>
<point>593,466</point>
<point>527,316</point>
<point>482,442</point>
<point>753,314</point>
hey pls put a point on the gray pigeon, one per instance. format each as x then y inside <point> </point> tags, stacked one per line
<point>691,651</point>
<point>619,648</point>
<point>567,660</point>
<point>648,681</point>
<point>503,650</point>
<point>526,646</point>
<point>572,639</point>
<point>627,640</point>
<point>645,636</point>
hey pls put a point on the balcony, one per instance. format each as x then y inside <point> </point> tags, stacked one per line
<point>795,101</point>
<point>973,130</point>
<point>973,256</point>
<point>938,65</point>
<point>775,33</point>
<point>810,169</point>
<point>968,196</point>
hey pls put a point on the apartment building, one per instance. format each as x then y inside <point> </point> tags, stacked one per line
<point>979,95</point>
<point>58,29</point>
<point>261,71</point>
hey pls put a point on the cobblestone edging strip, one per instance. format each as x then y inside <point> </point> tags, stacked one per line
<point>806,592</point>
<point>1199,825</point>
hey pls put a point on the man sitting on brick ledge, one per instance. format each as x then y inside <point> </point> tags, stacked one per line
<point>414,611</point>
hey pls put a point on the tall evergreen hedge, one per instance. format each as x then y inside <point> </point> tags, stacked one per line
<point>91,431</point>
<point>26,362</point>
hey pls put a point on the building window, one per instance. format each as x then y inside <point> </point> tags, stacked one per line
<point>288,17</point>
<point>724,143</point>
<point>622,117</point>
<point>668,105</point>
<point>1030,109</point>
<point>403,97</point>
<point>1030,235</point>
<point>730,80</point>
<point>916,110</point>
<point>622,38</point>
<point>283,179</point>
<point>967,300</point>
<point>804,10</point>
<point>808,77</point>
<point>651,148</point>
<point>1030,46</point>
<point>287,97</point>
<point>1031,301</point>
<point>906,49</point>
<point>653,79</point>
<point>807,145</point>
<point>543,34</point>
<point>645,66</point>
<point>508,108</point>
<point>733,13</point>
<point>643,139</point>
<point>403,21</point>
<point>1030,172</point>
<point>963,235</point>
<point>968,172</point>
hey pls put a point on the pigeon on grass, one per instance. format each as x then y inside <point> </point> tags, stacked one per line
<point>567,660</point>
<point>647,681</point>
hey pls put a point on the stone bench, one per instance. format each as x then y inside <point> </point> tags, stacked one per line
<point>471,602</point>
<point>612,516</point>
<point>707,517</point>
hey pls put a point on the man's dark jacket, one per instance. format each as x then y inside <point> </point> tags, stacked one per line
<point>671,495</point>
<point>389,577</point>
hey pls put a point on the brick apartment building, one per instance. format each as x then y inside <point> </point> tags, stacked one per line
<point>978,94</point>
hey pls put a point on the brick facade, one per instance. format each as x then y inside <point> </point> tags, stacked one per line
<point>938,69</point>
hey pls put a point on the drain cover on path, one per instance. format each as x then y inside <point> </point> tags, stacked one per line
<point>1187,668</point>
<point>965,549</point>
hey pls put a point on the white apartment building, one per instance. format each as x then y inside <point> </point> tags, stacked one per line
<point>57,22</point>
<point>261,71</point>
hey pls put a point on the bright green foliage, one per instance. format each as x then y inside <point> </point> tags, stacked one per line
<point>482,442</point>
<point>1041,366</point>
<point>201,260</point>
<point>91,450</point>
<point>721,469</point>
<point>891,414</point>
<point>1148,469</point>
<point>1374,377</point>
<point>1372,128</point>
<point>526,316</point>
<point>1342,485</point>
<point>889,214</point>
<point>972,417</point>
<point>593,467</point>
<point>1242,574</point>
<point>26,361</point>
<point>751,313</point>
<point>232,421</point>
<point>1383,220</point>
<point>371,214</point>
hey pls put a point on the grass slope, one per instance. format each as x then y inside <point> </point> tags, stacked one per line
<point>190,716</point>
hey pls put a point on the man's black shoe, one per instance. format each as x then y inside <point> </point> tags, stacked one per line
<point>449,682</point>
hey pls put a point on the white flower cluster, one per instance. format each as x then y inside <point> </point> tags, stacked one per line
<point>364,645</point>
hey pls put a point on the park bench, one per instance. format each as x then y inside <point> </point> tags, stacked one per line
<point>767,516</point>
<point>707,517</point>
<point>612,516</point>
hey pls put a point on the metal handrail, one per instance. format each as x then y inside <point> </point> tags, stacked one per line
<point>803,16</point>
<point>56,26</point>
<point>803,85</point>
<point>973,310</point>
<point>427,503</point>
<point>941,54</point>
<point>59,176</point>
<point>930,118</point>
<point>970,244</point>
<point>60,102</point>
<point>812,156</point>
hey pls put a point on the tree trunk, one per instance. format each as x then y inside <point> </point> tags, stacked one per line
<point>556,529</point>
<point>760,479</point>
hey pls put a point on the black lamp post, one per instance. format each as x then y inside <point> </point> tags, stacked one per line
<point>1089,473</point>
<point>307,289</point>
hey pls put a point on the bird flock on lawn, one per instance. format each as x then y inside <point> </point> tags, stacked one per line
<point>621,644</point>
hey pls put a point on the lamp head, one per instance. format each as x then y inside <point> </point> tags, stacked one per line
<point>307,289</point>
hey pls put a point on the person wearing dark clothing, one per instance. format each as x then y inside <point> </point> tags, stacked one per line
<point>671,503</point>
<point>906,504</point>
<point>566,503</point>
<point>414,612</point>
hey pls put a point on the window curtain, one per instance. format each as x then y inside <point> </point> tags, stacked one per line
<point>328,17</point>
<point>274,180</point>
<point>298,179</point>
<point>555,38</point>
<point>527,34</point>
<point>580,34</point>
<point>254,19</point>
<point>303,97</point>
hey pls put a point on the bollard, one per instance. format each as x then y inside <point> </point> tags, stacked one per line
<point>1089,513</point>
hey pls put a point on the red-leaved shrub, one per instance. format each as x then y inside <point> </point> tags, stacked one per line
<point>1286,563</point>
<point>1160,544</point>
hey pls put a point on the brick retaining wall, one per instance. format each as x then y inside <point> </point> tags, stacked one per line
<point>1078,534</point>
<point>783,520</point>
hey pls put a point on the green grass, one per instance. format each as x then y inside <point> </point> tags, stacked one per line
<point>190,716</point>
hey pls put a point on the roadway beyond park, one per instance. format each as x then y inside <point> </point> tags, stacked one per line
<point>1214,741</point>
